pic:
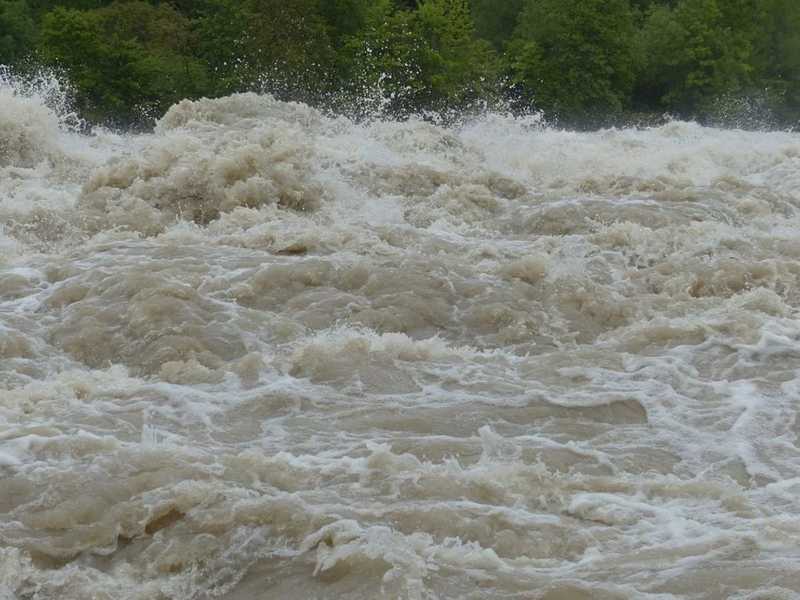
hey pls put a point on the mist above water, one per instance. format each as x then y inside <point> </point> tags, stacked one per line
<point>266,353</point>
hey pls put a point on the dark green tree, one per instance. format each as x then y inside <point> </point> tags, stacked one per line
<point>388,60</point>
<point>17,31</point>
<point>287,49</point>
<point>347,18</point>
<point>693,54</point>
<point>40,7</point>
<point>125,60</point>
<point>495,21</point>
<point>574,58</point>
<point>776,57</point>
<point>427,59</point>
<point>461,67</point>
<point>221,43</point>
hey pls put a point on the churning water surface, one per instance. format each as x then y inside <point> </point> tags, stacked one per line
<point>262,353</point>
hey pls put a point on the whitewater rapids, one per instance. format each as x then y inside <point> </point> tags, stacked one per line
<point>266,353</point>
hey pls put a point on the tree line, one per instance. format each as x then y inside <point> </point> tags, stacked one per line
<point>582,62</point>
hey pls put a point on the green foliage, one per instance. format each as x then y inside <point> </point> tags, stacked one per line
<point>693,55</point>
<point>17,30</point>
<point>284,46</point>
<point>574,58</point>
<point>776,56</point>
<point>582,60</point>
<point>101,71</point>
<point>287,46</point>
<point>124,59</point>
<point>43,6</point>
<point>495,21</point>
<point>347,18</point>
<point>427,59</point>
<point>460,67</point>
<point>220,42</point>
<point>389,61</point>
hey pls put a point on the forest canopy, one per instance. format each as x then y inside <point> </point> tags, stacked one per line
<point>582,62</point>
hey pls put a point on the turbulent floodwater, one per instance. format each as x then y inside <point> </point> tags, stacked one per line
<point>263,353</point>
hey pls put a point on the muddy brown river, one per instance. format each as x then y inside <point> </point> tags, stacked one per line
<point>262,353</point>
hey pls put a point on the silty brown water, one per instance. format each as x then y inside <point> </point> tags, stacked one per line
<point>264,353</point>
